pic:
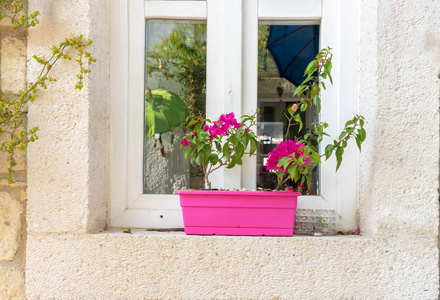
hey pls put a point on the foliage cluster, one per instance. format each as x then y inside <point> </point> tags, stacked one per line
<point>297,167</point>
<point>14,10</point>
<point>221,144</point>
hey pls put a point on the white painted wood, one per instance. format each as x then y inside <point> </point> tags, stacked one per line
<point>232,80</point>
<point>289,9</point>
<point>136,96</point>
<point>250,82</point>
<point>145,218</point>
<point>224,78</point>
<point>118,108</point>
<point>231,86</point>
<point>330,100</point>
<point>348,173</point>
<point>175,10</point>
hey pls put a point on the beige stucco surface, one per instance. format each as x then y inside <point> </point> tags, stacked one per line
<point>397,258</point>
<point>172,265</point>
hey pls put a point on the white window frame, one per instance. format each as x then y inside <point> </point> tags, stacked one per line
<point>232,31</point>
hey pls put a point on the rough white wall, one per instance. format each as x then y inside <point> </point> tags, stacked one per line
<point>399,89</point>
<point>172,265</point>
<point>397,259</point>
<point>68,164</point>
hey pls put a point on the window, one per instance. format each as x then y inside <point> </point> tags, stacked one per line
<point>231,85</point>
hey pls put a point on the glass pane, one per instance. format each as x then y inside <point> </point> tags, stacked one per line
<point>175,83</point>
<point>284,51</point>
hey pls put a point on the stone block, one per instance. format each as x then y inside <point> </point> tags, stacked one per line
<point>11,211</point>
<point>13,65</point>
<point>11,283</point>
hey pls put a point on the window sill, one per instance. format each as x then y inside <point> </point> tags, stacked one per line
<point>180,234</point>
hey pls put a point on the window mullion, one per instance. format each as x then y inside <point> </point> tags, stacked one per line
<point>224,72</point>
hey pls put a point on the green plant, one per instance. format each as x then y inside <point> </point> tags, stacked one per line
<point>13,134</point>
<point>221,144</point>
<point>295,159</point>
<point>15,11</point>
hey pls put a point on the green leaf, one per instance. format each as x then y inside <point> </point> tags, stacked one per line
<point>187,152</point>
<point>239,150</point>
<point>297,118</point>
<point>315,157</point>
<point>234,140</point>
<point>358,142</point>
<point>310,67</point>
<point>200,146</point>
<point>328,70</point>
<point>308,181</point>
<point>207,151</point>
<point>213,158</point>
<point>284,162</point>
<point>348,123</point>
<point>193,122</point>
<point>304,106</point>
<point>328,151</point>
<point>339,153</point>
<point>342,135</point>
<point>363,134</point>
<point>299,90</point>
<point>226,151</point>
<point>232,164</point>
<point>198,127</point>
<point>296,175</point>
<point>318,103</point>
<point>199,158</point>
<point>218,146</point>
<point>344,144</point>
<point>319,139</point>
<point>254,145</point>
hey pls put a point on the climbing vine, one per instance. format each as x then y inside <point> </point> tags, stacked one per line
<point>13,133</point>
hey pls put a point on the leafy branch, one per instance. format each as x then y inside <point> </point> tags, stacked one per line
<point>15,11</point>
<point>214,146</point>
<point>298,164</point>
<point>13,134</point>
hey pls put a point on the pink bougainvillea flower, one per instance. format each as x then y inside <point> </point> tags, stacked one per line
<point>195,133</point>
<point>222,125</point>
<point>285,149</point>
<point>184,142</point>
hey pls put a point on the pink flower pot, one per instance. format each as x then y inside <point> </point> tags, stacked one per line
<point>238,212</point>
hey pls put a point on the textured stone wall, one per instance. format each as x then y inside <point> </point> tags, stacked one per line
<point>13,62</point>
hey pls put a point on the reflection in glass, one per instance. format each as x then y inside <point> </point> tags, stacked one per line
<point>283,53</point>
<point>175,83</point>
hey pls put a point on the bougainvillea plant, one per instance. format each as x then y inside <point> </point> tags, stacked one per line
<point>213,145</point>
<point>295,159</point>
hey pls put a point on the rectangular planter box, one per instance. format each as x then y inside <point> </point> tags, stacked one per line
<point>238,212</point>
